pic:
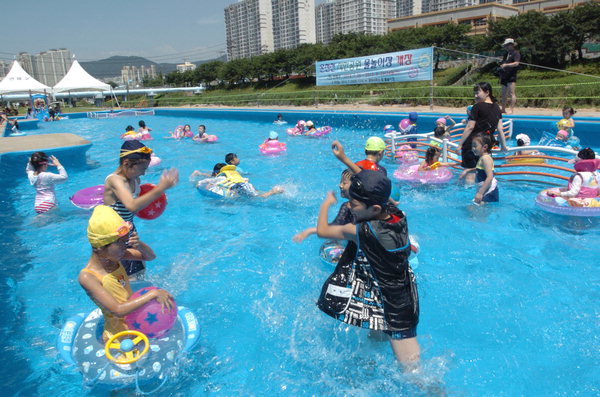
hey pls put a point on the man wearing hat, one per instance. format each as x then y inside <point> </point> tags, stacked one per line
<point>508,76</point>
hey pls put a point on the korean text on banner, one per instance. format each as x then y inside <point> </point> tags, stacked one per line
<point>413,65</point>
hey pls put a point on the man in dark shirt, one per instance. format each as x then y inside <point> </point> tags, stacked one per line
<point>508,74</point>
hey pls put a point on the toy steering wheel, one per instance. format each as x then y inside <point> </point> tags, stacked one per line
<point>127,347</point>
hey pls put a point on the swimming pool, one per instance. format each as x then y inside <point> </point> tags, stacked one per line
<point>509,294</point>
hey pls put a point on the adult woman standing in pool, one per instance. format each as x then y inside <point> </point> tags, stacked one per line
<point>122,187</point>
<point>486,117</point>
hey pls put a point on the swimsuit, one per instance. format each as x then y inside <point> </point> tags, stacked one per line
<point>492,194</point>
<point>117,284</point>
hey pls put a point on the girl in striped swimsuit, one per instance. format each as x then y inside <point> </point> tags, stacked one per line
<point>45,198</point>
<point>121,189</point>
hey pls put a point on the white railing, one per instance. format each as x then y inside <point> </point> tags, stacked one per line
<point>124,113</point>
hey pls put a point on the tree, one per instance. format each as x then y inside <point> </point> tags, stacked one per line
<point>586,24</point>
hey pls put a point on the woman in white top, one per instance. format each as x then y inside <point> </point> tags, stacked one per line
<point>45,198</point>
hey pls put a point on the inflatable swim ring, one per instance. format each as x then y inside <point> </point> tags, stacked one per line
<point>558,205</point>
<point>146,136</point>
<point>155,208</point>
<point>80,344</point>
<point>272,147</point>
<point>280,122</point>
<point>331,251</point>
<point>412,174</point>
<point>89,197</point>
<point>524,160</point>
<point>131,135</point>
<point>321,131</point>
<point>406,155</point>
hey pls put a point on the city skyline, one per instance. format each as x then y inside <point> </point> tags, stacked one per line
<point>187,30</point>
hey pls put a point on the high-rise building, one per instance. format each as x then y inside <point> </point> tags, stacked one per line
<point>363,16</point>
<point>134,75</point>
<point>324,21</point>
<point>293,23</point>
<point>52,66</point>
<point>249,28</point>
<point>47,67</point>
<point>441,5</point>
<point>405,8</point>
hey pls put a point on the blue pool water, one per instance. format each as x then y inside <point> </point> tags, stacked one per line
<point>509,294</point>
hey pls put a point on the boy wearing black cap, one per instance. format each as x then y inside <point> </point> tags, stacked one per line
<point>373,285</point>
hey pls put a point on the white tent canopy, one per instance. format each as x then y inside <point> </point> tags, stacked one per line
<point>78,79</point>
<point>18,80</point>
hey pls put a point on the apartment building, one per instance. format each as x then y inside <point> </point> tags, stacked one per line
<point>293,23</point>
<point>47,67</point>
<point>324,21</point>
<point>249,28</point>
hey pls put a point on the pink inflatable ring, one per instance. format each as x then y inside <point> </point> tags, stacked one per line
<point>412,174</point>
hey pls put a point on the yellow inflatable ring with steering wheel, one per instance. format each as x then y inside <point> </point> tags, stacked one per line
<point>126,347</point>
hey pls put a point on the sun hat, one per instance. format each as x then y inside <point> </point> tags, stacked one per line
<point>562,133</point>
<point>413,116</point>
<point>135,150</point>
<point>273,135</point>
<point>106,226</point>
<point>375,144</point>
<point>525,138</point>
<point>441,120</point>
<point>370,187</point>
<point>509,41</point>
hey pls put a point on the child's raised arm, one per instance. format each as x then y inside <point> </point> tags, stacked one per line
<point>338,151</point>
<point>121,190</point>
<point>325,230</point>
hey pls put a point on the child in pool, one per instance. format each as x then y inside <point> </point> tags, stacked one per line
<point>233,159</point>
<point>443,122</point>
<point>432,160</point>
<point>310,128</point>
<point>440,133</point>
<point>487,185</point>
<point>562,136</point>
<point>374,151</point>
<point>584,185</point>
<point>373,285</point>
<point>122,187</point>
<point>143,128</point>
<point>104,279</point>
<point>236,185</point>
<point>214,173</point>
<point>469,109</point>
<point>44,181</point>
<point>131,132</point>
<point>202,136</point>
<point>524,140</point>
<point>280,119</point>
<point>567,123</point>
<point>344,215</point>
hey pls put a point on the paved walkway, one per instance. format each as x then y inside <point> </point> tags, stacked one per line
<point>34,143</point>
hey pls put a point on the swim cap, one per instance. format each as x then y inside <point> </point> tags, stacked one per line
<point>375,144</point>
<point>388,128</point>
<point>106,226</point>
<point>562,133</point>
<point>413,116</point>
<point>309,124</point>
<point>524,138</point>
<point>135,150</point>
<point>441,120</point>
<point>370,187</point>
<point>469,108</point>
<point>273,135</point>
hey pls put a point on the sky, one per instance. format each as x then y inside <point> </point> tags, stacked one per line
<point>163,31</point>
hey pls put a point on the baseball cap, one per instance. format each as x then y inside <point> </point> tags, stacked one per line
<point>375,144</point>
<point>370,187</point>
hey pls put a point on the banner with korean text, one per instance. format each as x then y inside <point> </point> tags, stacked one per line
<point>413,65</point>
